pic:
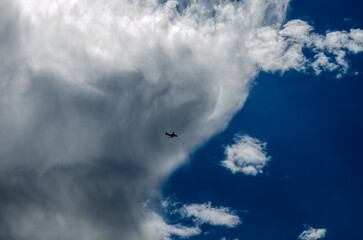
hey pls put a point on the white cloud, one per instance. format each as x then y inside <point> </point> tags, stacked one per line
<point>247,155</point>
<point>312,234</point>
<point>88,87</point>
<point>156,228</point>
<point>275,49</point>
<point>321,63</point>
<point>205,213</point>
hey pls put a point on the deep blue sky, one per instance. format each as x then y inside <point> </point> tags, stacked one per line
<point>313,127</point>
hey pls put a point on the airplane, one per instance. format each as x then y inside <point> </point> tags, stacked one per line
<point>172,135</point>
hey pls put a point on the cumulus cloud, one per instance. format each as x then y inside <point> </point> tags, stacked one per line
<point>312,233</point>
<point>275,49</point>
<point>87,90</point>
<point>89,87</point>
<point>205,213</point>
<point>247,155</point>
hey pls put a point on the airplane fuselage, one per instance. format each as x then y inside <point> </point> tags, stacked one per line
<point>171,135</point>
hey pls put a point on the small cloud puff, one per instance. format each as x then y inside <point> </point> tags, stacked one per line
<point>311,233</point>
<point>247,155</point>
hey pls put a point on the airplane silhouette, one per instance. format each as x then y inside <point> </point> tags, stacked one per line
<point>172,135</point>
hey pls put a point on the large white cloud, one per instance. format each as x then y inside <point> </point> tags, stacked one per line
<point>89,87</point>
<point>247,155</point>
<point>87,90</point>
<point>312,234</point>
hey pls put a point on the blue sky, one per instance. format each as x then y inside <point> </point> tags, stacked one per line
<point>313,128</point>
<point>265,97</point>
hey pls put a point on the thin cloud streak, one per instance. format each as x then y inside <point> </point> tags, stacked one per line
<point>206,214</point>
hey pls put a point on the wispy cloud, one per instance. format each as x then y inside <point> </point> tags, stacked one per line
<point>156,228</point>
<point>312,233</point>
<point>205,213</point>
<point>247,155</point>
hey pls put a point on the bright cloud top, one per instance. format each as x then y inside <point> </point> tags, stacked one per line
<point>312,233</point>
<point>247,155</point>
<point>205,213</point>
